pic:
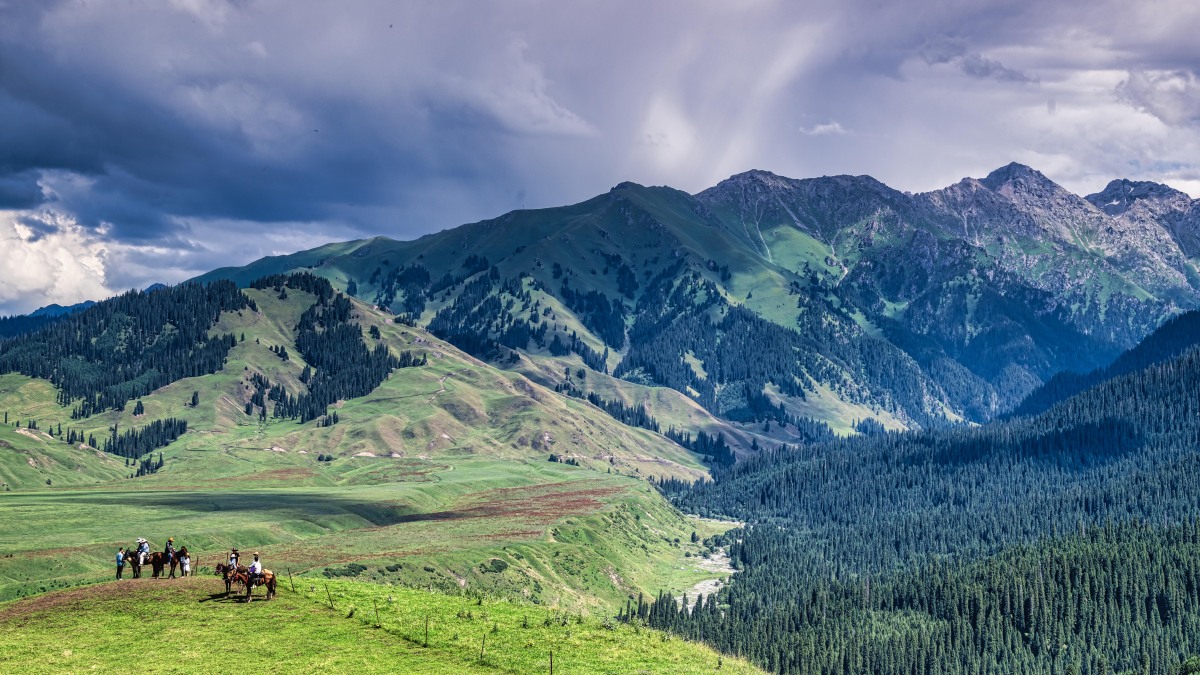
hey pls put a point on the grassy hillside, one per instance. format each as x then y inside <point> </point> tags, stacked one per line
<point>189,626</point>
<point>439,470</point>
<point>455,405</point>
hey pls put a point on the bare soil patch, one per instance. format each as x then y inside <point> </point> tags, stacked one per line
<point>80,598</point>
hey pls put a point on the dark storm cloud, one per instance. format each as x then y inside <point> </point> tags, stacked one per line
<point>20,190</point>
<point>1171,96</point>
<point>952,51</point>
<point>154,139</point>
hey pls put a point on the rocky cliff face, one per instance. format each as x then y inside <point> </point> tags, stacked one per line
<point>1010,276</point>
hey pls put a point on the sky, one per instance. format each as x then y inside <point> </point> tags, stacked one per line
<point>147,141</point>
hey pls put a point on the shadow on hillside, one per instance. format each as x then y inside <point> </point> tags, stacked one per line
<point>274,506</point>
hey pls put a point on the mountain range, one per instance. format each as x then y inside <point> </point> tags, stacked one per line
<point>856,301</point>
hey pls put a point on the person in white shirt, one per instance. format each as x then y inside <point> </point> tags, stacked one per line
<point>255,570</point>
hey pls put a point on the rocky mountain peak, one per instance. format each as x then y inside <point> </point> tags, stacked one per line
<point>1121,194</point>
<point>625,186</point>
<point>1016,179</point>
<point>756,179</point>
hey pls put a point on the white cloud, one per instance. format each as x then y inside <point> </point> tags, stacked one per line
<point>269,123</point>
<point>48,258</point>
<point>668,137</point>
<point>826,129</point>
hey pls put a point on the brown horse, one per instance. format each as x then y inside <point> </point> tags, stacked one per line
<point>159,561</point>
<point>267,578</point>
<point>135,563</point>
<point>231,574</point>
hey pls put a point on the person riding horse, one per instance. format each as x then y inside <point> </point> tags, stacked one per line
<point>254,573</point>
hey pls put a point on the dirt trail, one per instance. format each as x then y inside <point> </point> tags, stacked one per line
<point>35,435</point>
<point>442,383</point>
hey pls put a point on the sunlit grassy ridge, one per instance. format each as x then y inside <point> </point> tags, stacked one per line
<point>189,626</point>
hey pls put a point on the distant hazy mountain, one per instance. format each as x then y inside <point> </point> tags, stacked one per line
<point>1173,338</point>
<point>769,300</point>
<point>39,318</point>
<point>59,310</point>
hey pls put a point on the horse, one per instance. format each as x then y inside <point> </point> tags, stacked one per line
<point>135,563</point>
<point>158,561</point>
<point>231,574</point>
<point>267,578</point>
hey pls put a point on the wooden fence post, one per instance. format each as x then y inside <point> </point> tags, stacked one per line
<point>426,630</point>
<point>290,582</point>
<point>551,662</point>
<point>330,597</point>
<point>376,603</point>
<point>482,646</point>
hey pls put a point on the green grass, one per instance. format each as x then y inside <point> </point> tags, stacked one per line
<point>188,626</point>
<point>572,537</point>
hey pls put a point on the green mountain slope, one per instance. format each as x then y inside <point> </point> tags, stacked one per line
<point>1170,340</point>
<point>440,469</point>
<point>855,300</point>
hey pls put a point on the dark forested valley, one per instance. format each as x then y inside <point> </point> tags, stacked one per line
<point>1057,543</point>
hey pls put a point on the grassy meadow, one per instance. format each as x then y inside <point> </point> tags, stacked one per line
<point>188,625</point>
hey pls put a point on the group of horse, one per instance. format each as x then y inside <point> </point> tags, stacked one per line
<point>161,562</point>
<point>240,575</point>
<point>158,561</point>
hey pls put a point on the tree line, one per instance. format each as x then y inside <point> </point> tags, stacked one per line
<point>128,346</point>
<point>339,364</point>
<point>866,513</point>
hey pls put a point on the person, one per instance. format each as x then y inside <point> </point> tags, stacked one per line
<point>255,570</point>
<point>143,550</point>
<point>169,549</point>
<point>233,558</point>
<point>185,561</point>
<point>120,561</point>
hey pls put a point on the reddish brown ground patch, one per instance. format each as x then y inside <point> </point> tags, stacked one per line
<point>546,502</point>
<point>80,598</point>
<point>272,475</point>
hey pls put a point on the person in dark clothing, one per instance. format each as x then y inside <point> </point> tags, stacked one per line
<point>169,549</point>
<point>120,562</point>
